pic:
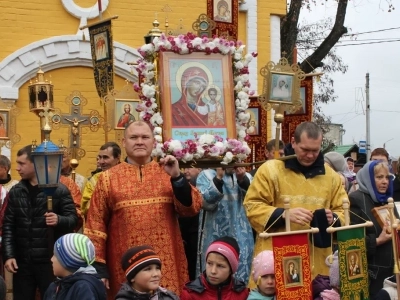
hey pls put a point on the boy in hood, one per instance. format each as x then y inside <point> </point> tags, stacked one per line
<point>72,264</point>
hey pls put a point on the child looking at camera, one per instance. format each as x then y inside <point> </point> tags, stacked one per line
<point>142,267</point>
<point>218,281</point>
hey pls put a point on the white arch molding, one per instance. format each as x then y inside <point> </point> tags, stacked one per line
<point>54,53</point>
<point>84,13</point>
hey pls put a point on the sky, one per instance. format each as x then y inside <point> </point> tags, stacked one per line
<point>380,60</point>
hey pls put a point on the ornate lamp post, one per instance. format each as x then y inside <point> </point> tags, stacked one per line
<point>41,102</point>
<point>154,32</point>
<point>47,157</point>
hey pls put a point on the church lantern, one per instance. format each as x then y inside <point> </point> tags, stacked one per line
<point>40,94</point>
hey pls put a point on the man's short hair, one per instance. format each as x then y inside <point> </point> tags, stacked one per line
<point>312,130</point>
<point>271,145</point>
<point>5,162</point>
<point>139,123</point>
<point>380,151</point>
<point>26,150</point>
<point>116,149</point>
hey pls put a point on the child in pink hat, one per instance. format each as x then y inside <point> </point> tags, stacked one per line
<point>264,277</point>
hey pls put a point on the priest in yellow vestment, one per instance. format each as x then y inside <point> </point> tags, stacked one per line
<point>136,203</point>
<point>314,190</point>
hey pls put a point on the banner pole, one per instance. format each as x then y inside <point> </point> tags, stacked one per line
<point>100,9</point>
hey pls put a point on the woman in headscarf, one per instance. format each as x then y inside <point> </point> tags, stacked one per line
<point>194,82</point>
<point>375,187</point>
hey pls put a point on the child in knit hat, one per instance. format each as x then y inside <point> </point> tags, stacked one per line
<point>142,267</point>
<point>217,281</point>
<point>72,264</point>
<point>321,289</point>
<point>264,276</point>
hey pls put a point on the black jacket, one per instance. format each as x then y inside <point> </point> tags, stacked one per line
<point>78,286</point>
<point>25,233</point>
<point>379,258</point>
<point>128,293</point>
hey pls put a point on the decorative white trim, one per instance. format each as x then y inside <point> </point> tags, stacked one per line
<point>250,6</point>
<point>54,53</point>
<point>84,14</point>
<point>275,45</point>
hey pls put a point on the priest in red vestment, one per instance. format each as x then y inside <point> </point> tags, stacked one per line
<point>137,203</point>
<point>194,82</point>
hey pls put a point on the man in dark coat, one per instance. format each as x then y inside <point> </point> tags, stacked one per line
<point>27,239</point>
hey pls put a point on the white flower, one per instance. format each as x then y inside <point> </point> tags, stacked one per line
<point>220,145</point>
<point>187,157</point>
<point>148,91</point>
<point>175,145</point>
<point>157,151</point>
<point>149,48</point>
<point>197,41</point>
<point>239,65</point>
<point>157,130</point>
<point>242,134</point>
<point>206,139</point>
<point>237,56</point>
<point>156,119</point>
<point>244,117</point>
<point>241,156</point>
<point>239,86</point>
<point>199,153</point>
<point>227,158</point>
<point>149,66</point>
<point>242,95</point>
<point>158,138</point>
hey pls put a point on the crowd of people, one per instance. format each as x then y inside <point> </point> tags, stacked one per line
<point>145,229</point>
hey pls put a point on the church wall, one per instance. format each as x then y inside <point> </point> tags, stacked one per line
<point>26,22</point>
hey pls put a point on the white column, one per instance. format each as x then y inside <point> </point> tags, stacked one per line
<point>275,44</point>
<point>250,6</point>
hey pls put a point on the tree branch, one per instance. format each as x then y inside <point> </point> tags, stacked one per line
<point>289,30</point>
<point>338,30</point>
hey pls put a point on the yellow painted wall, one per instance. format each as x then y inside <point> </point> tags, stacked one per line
<point>266,9</point>
<point>28,21</point>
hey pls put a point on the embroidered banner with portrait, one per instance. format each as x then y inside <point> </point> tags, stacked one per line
<point>257,130</point>
<point>292,267</point>
<point>101,42</point>
<point>225,14</point>
<point>353,268</point>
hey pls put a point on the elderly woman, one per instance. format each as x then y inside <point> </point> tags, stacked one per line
<point>375,187</point>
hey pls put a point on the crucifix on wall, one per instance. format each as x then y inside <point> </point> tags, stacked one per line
<point>76,121</point>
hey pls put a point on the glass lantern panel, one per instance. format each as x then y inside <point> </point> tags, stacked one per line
<point>54,168</point>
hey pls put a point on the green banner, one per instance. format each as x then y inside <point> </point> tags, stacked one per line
<point>353,267</point>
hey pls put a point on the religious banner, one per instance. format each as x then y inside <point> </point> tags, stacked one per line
<point>353,264</point>
<point>225,13</point>
<point>292,267</point>
<point>257,130</point>
<point>101,42</point>
<point>302,114</point>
